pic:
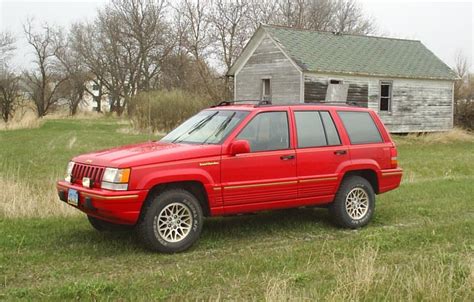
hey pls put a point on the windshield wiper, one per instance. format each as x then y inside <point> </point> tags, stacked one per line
<point>196,127</point>
<point>221,127</point>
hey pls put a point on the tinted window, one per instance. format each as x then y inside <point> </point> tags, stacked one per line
<point>267,131</point>
<point>331,131</point>
<point>310,129</point>
<point>360,127</point>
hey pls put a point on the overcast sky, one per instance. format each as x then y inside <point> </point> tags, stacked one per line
<point>445,27</point>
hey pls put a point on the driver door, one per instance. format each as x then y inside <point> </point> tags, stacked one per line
<point>268,172</point>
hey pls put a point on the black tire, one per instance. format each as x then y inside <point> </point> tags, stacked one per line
<point>153,236</point>
<point>339,208</point>
<point>105,226</point>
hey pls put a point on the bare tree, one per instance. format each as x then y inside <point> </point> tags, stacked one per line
<point>125,47</point>
<point>9,81</point>
<point>231,29</point>
<point>262,11</point>
<point>9,94</point>
<point>7,46</point>
<point>349,18</point>
<point>84,41</point>
<point>75,87</point>
<point>43,83</point>
<point>461,68</point>
<point>194,48</point>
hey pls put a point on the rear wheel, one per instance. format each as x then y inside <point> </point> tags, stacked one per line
<point>171,222</point>
<point>354,204</point>
<point>105,226</point>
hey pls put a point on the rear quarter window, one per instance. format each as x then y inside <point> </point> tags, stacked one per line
<point>360,127</point>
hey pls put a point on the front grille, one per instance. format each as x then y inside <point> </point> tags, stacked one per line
<point>93,172</point>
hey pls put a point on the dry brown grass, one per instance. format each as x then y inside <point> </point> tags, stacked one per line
<point>355,275</point>
<point>20,199</point>
<point>363,275</point>
<point>452,136</point>
<point>25,119</point>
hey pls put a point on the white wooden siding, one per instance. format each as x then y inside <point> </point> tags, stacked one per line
<point>268,61</point>
<point>417,105</point>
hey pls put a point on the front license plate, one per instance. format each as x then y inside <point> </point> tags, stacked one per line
<point>73,197</point>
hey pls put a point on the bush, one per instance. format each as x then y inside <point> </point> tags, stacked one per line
<point>164,110</point>
<point>464,114</point>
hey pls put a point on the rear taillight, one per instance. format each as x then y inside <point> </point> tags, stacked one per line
<point>393,158</point>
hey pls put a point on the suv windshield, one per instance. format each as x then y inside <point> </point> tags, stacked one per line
<point>206,127</point>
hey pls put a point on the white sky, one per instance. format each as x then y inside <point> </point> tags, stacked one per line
<point>445,27</point>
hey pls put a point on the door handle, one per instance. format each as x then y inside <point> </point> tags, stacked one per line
<point>287,157</point>
<point>340,152</point>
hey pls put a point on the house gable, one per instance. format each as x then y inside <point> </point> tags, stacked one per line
<point>264,61</point>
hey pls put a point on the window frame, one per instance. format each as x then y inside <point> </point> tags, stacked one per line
<point>264,96</point>
<point>390,97</point>
<point>324,129</point>
<point>290,147</point>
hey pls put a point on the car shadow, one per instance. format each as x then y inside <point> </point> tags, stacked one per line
<point>216,230</point>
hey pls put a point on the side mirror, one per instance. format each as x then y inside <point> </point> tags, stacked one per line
<point>239,147</point>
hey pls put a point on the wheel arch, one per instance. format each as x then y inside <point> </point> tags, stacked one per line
<point>195,187</point>
<point>368,174</point>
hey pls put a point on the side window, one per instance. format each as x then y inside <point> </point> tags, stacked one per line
<point>360,127</point>
<point>385,96</point>
<point>267,131</point>
<point>310,129</point>
<point>315,129</point>
<point>331,131</point>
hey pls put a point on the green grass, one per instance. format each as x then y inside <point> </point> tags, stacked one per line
<point>419,246</point>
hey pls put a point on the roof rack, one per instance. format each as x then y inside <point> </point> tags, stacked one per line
<point>259,103</point>
<point>243,102</point>
<point>354,104</point>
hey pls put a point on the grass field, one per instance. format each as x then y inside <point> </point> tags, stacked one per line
<point>420,245</point>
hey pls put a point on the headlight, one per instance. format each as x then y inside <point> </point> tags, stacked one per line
<point>69,168</point>
<point>115,179</point>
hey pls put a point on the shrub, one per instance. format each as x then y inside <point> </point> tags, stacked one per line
<point>164,110</point>
<point>464,114</point>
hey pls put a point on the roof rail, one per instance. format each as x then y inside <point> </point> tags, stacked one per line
<point>249,102</point>
<point>258,103</point>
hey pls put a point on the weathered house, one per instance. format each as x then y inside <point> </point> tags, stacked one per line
<point>410,88</point>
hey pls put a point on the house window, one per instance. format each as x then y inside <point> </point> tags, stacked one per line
<point>95,87</point>
<point>385,96</point>
<point>266,89</point>
<point>335,81</point>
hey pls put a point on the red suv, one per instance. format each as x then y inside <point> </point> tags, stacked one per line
<point>237,158</point>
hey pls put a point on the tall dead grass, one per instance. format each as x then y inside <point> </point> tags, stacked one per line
<point>26,119</point>
<point>20,199</point>
<point>361,276</point>
<point>452,136</point>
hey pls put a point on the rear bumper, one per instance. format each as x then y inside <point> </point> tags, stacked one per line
<point>114,206</point>
<point>390,179</point>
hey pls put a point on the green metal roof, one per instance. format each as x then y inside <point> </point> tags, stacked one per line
<point>361,55</point>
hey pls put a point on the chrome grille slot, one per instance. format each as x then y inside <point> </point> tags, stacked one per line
<point>93,172</point>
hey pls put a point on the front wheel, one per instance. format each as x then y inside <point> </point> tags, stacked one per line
<point>171,222</point>
<point>354,204</point>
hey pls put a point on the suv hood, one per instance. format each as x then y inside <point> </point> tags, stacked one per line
<point>146,153</point>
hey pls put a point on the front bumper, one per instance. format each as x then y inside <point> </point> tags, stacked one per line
<point>114,206</point>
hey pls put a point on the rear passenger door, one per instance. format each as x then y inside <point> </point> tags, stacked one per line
<point>319,154</point>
